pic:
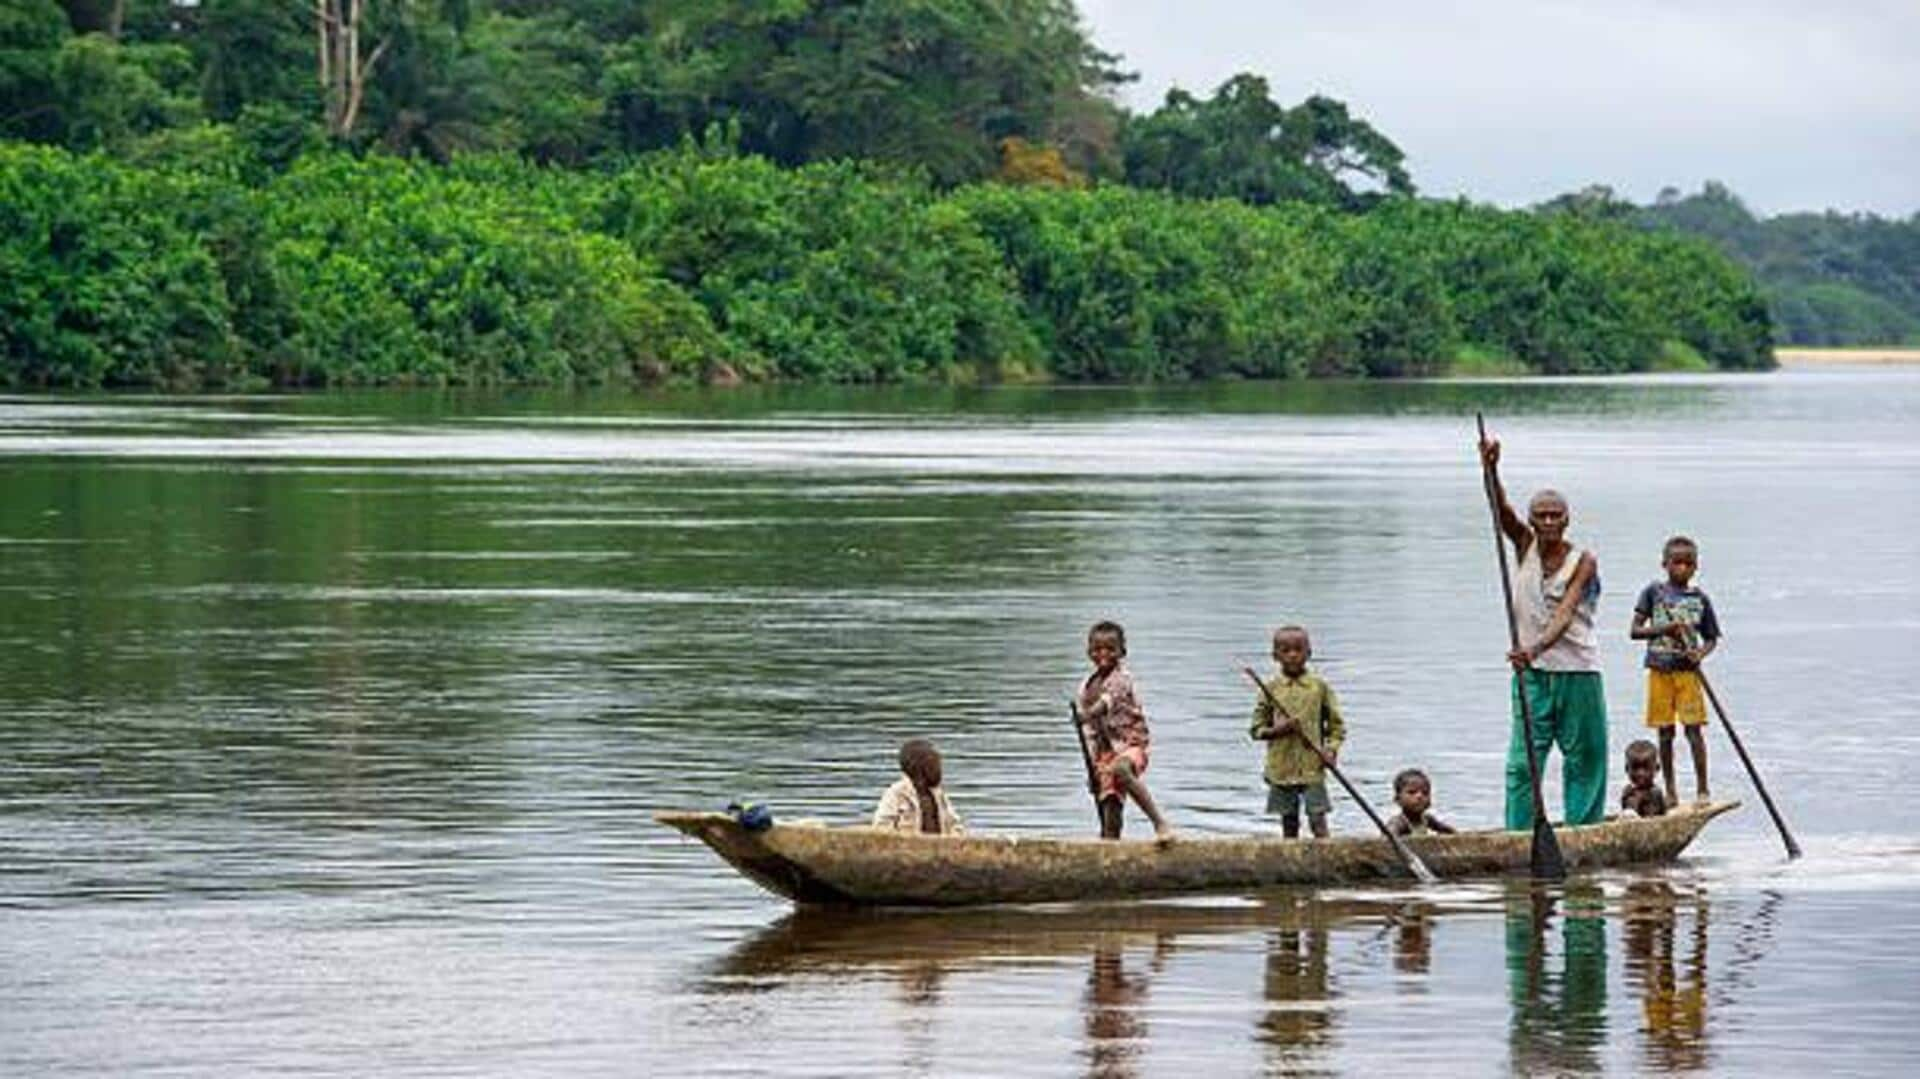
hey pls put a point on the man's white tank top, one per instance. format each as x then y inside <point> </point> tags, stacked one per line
<point>1534,601</point>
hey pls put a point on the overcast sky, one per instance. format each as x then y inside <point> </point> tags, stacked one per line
<point>1795,104</point>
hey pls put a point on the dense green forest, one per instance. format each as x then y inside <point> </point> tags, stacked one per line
<point>1829,278</point>
<point>262,192</point>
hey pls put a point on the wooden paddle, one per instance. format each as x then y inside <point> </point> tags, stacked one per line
<point>1414,864</point>
<point>1546,860</point>
<point>1793,848</point>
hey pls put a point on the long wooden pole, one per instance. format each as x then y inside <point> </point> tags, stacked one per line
<point>1546,859</point>
<point>1414,864</point>
<point>1086,755</point>
<point>1793,848</point>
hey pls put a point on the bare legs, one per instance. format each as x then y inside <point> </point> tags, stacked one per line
<point>1697,749</point>
<point>1290,825</point>
<point>1131,786</point>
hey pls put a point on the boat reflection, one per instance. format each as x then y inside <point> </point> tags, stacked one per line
<point>1128,947</point>
<point>825,941</point>
<point>1145,963</point>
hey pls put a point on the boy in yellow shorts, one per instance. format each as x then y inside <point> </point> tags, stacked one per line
<point>1677,622</point>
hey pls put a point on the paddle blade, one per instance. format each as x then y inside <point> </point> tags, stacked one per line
<point>1546,862</point>
<point>1419,867</point>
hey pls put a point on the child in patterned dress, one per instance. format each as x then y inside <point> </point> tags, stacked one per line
<point>1114,727</point>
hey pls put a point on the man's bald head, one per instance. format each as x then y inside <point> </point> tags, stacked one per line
<point>1548,516</point>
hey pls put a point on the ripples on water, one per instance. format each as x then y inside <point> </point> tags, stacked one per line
<point>333,725</point>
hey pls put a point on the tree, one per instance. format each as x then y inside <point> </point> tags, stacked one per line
<point>257,52</point>
<point>1022,162</point>
<point>1831,278</point>
<point>345,66</point>
<point>31,32</point>
<point>1595,201</point>
<point>933,84</point>
<point>1241,144</point>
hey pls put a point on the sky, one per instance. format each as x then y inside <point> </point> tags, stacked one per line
<point>1795,105</point>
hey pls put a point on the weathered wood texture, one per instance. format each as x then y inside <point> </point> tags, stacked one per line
<point>860,867</point>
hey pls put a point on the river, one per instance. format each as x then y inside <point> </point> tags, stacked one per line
<point>333,725</point>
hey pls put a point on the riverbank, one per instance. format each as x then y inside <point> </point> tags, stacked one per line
<point>683,267</point>
<point>1813,357</point>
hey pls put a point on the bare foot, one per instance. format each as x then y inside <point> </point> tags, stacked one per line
<point>1703,796</point>
<point>1164,836</point>
<point>1673,796</point>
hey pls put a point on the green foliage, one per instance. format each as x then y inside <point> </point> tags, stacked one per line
<point>100,281</point>
<point>935,84</point>
<point>87,91</point>
<point>1129,286</point>
<point>1830,279</point>
<point>404,273</point>
<point>1678,356</point>
<point>1479,361</point>
<point>1834,314</point>
<point>341,272</point>
<point>198,261</point>
<point>31,33</point>
<point>825,272</point>
<point>1572,293</point>
<point>1241,144</point>
<point>544,72</point>
<point>256,54</point>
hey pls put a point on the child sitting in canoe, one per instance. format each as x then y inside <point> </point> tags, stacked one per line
<point>917,802</point>
<point>1642,798</point>
<point>1294,772</point>
<point>1114,728</point>
<point>1413,793</point>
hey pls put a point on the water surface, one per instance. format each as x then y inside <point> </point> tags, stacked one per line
<point>333,725</point>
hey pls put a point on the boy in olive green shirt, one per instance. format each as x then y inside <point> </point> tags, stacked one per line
<point>1294,772</point>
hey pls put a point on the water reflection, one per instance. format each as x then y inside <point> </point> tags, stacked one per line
<point>1115,1005</point>
<point>831,942</point>
<point>1669,969</point>
<point>1299,1015</point>
<point>1413,942</point>
<point>1136,966</point>
<point>1558,1017</point>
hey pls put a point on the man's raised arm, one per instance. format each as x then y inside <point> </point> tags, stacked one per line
<point>1511,523</point>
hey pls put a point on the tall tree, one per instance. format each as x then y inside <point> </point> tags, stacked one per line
<point>930,83</point>
<point>344,63</point>
<point>1242,144</point>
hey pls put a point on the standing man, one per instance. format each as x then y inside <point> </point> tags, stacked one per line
<point>1558,662</point>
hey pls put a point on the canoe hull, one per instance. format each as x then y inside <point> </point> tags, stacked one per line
<point>818,866</point>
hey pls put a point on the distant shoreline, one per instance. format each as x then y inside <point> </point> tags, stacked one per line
<point>1811,357</point>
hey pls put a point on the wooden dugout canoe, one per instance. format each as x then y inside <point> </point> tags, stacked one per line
<point>860,867</point>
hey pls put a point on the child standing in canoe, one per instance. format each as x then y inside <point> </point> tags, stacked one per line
<point>1678,624</point>
<point>1294,772</point>
<point>1114,727</point>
